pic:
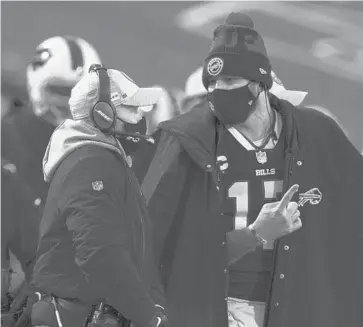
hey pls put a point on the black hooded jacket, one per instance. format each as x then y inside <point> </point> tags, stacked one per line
<point>321,263</point>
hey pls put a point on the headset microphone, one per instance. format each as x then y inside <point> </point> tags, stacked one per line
<point>148,139</point>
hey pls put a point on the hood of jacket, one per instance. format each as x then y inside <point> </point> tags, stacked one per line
<point>196,131</point>
<point>71,135</point>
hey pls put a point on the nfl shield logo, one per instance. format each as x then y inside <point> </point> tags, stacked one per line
<point>261,157</point>
<point>97,185</point>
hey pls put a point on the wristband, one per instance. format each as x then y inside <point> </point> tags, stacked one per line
<point>255,234</point>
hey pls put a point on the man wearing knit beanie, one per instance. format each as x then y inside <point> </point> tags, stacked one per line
<point>95,239</point>
<point>195,91</point>
<point>227,187</point>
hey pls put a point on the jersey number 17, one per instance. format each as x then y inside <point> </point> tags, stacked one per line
<point>240,191</point>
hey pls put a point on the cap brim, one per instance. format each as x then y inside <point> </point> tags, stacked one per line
<point>144,97</point>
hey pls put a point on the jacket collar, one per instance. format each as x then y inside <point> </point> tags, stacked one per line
<point>71,135</point>
<point>196,131</point>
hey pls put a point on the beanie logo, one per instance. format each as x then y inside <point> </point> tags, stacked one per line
<point>215,66</point>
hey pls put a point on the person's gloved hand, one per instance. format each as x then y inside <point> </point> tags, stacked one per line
<point>159,319</point>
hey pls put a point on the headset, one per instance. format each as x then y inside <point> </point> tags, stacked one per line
<point>76,52</point>
<point>103,113</point>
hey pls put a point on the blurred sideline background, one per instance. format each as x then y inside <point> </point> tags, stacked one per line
<point>314,46</point>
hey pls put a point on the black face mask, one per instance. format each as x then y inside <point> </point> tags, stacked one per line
<point>232,106</point>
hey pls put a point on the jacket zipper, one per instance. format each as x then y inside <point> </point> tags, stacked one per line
<point>288,174</point>
<point>143,237</point>
<point>142,229</point>
<point>142,246</point>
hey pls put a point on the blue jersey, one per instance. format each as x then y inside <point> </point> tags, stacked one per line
<point>250,178</point>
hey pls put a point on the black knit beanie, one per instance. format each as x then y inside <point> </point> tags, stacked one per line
<point>238,50</point>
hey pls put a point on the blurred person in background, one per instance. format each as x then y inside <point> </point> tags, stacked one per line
<point>19,240</point>
<point>59,63</point>
<point>95,234</point>
<point>194,92</point>
<point>20,216</point>
<point>221,168</point>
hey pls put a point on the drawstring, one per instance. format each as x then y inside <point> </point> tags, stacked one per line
<point>270,135</point>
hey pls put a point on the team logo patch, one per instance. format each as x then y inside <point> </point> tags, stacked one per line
<point>314,196</point>
<point>97,185</point>
<point>215,66</point>
<point>261,157</point>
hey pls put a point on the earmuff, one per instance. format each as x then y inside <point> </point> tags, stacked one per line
<point>76,52</point>
<point>103,113</point>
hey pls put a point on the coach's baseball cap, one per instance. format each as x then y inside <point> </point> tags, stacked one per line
<point>123,91</point>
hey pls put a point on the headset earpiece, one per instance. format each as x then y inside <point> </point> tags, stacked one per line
<point>103,113</point>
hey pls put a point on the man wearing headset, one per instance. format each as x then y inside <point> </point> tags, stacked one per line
<point>95,244</point>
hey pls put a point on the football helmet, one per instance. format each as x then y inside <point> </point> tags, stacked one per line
<point>59,63</point>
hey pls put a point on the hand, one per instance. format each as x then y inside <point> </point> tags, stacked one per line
<point>159,319</point>
<point>277,219</point>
